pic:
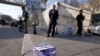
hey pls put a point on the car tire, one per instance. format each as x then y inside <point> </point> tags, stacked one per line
<point>11,25</point>
<point>88,31</point>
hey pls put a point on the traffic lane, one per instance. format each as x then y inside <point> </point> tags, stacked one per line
<point>10,41</point>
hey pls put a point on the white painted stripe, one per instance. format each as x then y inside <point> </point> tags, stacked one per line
<point>27,45</point>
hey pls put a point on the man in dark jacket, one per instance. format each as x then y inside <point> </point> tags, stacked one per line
<point>25,15</point>
<point>53,15</point>
<point>79,20</point>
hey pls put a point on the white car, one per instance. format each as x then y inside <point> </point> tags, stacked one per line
<point>95,28</point>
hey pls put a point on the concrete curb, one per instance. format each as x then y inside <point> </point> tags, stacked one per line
<point>27,46</point>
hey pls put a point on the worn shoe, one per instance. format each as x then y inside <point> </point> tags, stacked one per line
<point>53,35</point>
<point>35,33</point>
<point>48,35</point>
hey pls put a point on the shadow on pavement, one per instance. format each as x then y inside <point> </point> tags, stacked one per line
<point>40,31</point>
<point>87,38</point>
<point>10,33</point>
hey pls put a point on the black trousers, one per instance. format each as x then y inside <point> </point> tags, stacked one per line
<point>25,27</point>
<point>80,27</point>
<point>34,29</point>
<point>52,26</point>
<point>21,27</point>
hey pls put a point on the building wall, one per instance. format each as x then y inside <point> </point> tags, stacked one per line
<point>67,17</point>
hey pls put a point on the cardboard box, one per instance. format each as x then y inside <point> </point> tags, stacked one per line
<point>47,50</point>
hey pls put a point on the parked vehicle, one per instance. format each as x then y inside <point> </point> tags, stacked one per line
<point>15,24</point>
<point>95,28</point>
<point>2,22</point>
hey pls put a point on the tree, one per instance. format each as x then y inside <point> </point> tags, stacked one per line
<point>0,14</point>
<point>44,1</point>
<point>6,17</point>
<point>74,3</point>
<point>94,4</point>
<point>66,1</point>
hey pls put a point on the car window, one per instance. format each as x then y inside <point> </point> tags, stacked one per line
<point>97,23</point>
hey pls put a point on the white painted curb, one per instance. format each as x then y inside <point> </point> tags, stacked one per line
<point>27,46</point>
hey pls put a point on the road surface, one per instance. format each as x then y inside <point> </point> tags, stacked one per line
<point>10,41</point>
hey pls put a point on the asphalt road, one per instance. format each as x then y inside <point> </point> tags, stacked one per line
<point>10,41</point>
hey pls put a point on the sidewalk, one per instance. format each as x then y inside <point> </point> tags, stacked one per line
<point>66,46</point>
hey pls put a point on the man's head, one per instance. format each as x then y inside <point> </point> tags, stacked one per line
<point>23,8</point>
<point>81,11</point>
<point>54,6</point>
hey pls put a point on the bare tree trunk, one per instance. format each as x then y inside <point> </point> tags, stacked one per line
<point>94,4</point>
<point>65,1</point>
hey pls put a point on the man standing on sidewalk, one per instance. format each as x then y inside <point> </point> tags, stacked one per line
<point>25,15</point>
<point>53,15</point>
<point>80,17</point>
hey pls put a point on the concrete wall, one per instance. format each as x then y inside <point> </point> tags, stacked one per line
<point>67,17</point>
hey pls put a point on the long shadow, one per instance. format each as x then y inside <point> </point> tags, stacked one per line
<point>87,37</point>
<point>10,33</point>
<point>40,31</point>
